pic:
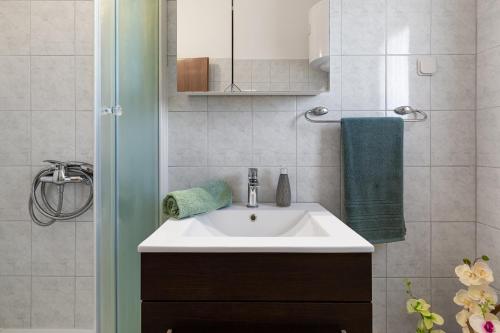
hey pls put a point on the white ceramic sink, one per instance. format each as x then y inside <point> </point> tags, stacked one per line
<point>303,227</point>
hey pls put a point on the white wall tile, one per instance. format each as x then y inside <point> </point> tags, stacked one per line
<point>405,86</point>
<point>53,249</point>
<point>453,85</point>
<point>453,27</point>
<point>320,184</point>
<point>453,194</point>
<point>408,26</point>
<point>84,27</point>
<point>15,135</point>
<point>189,132</point>
<point>488,136</point>
<point>53,82</point>
<point>53,302</point>
<point>417,192</point>
<point>488,73</point>
<point>230,103</point>
<point>398,320</point>
<point>379,261</point>
<point>15,246</point>
<point>379,303</point>
<point>489,245</point>
<point>317,144</point>
<point>446,255</point>
<point>15,303</point>
<point>488,196</point>
<point>52,27</point>
<point>230,138</point>
<point>85,303</point>
<point>15,83</point>
<point>52,136</point>
<point>443,291</point>
<point>363,83</point>
<point>417,143</point>
<point>412,256</point>
<point>84,149</point>
<point>453,138</point>
<point>14,193</point>
<point>85,248</point>
<point>274,139</point>
<point>84,82</point>
<point>274,103</point>
<point>488,24</point>
<point>181,178</point>
<point>14,27</point>
<point>363,27</point>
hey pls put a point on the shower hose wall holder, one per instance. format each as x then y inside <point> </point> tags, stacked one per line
<point>44,209</point>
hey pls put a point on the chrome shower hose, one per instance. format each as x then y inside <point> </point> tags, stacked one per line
<point>59,174</point>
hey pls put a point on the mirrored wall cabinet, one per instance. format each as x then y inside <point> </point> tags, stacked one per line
<point>253,47</point>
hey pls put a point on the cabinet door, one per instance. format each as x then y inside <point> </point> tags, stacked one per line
<point>243,317</point>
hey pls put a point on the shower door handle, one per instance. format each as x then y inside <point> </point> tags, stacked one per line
<point>114,110</point>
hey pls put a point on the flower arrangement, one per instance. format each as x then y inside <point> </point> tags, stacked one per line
<point>427,318</point>
<point>479,301</point>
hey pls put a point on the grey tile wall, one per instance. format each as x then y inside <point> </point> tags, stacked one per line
<point>375,45</point>
<point>46,87</point>
<point>488,131</point>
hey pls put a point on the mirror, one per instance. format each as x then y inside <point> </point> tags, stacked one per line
<point>253,46</point>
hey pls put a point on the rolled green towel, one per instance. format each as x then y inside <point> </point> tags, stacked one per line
<point>198,200</point>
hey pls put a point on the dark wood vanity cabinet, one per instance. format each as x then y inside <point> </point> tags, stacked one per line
<point>256,292</point>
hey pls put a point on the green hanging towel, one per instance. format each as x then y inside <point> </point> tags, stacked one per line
<point>373,172</point>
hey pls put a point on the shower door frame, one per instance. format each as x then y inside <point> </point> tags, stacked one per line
<point>124,218</point>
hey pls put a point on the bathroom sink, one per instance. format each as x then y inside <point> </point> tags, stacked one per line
<point>301,228</point>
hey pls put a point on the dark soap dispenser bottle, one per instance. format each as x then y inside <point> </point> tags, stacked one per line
<point>283,193</point>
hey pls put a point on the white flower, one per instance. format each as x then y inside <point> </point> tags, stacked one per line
<point>465,275</point>
<point>463,298</point>
<point>487,324</point>
<point>483,272</point>
<point>462,317</point>
<point>483,294</point>
<point>480,273</point>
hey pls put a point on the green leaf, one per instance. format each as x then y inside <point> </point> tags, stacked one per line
<point>485,258</point>
<point>467,261</point>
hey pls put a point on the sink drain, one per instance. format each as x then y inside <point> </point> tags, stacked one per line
<point>253,217</point>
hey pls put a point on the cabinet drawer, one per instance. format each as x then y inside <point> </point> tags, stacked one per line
<point>243,317</point>
<point>256,277</point>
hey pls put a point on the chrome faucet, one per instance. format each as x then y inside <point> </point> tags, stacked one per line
<point>253,185</point>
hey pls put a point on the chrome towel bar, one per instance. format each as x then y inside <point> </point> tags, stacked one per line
<point>402,111</point>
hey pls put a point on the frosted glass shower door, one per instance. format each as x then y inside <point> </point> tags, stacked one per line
<point>127,209</point>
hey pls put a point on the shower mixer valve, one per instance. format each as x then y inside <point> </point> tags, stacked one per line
<point>59,174</point>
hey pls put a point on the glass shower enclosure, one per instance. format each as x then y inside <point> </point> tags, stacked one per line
<point>127,131</point>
